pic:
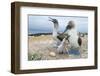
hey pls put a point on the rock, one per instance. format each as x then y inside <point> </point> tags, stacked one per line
<point>53,54</point>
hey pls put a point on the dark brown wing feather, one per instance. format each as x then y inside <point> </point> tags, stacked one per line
<point>62,36</point>
<point>79,41</point>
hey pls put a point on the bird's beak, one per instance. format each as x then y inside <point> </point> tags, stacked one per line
<point>66,29</point>
<point>50,19</point>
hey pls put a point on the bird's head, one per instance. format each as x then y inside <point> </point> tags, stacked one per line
<point>53,20</point>
<point>71,24</point>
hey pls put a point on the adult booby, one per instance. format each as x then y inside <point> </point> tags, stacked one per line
<point>59,39</point>
<point>74,40</point>
<point>55,31</point>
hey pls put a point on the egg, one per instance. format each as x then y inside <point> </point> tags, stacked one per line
<point>53,54</point>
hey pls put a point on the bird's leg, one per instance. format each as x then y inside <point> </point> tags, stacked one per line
<point>80,51</point>
<point>66,47</point>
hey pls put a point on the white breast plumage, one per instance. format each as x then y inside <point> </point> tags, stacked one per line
<point>73,39</point>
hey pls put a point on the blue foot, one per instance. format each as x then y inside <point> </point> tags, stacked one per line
<point>75,52</point>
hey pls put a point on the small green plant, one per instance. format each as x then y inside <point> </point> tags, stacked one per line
<point>36,57</point>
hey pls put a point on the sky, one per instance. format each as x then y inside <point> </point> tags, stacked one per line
<point>41,24</point>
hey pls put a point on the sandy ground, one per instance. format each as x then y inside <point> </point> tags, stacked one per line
<point>40,48</point>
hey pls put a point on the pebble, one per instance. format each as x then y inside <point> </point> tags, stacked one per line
<point>53,54</point>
